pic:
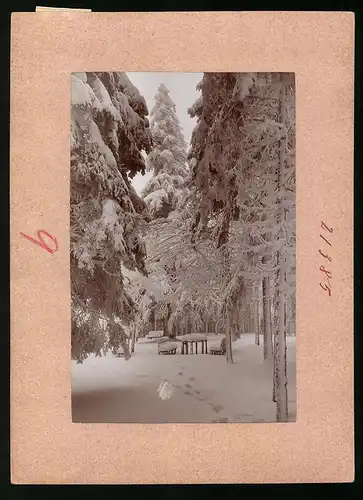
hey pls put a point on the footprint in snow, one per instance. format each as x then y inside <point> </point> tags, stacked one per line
<point>217,408</point>
<point>191,379</point>
<point>189,386</point>
<point>180,373</point>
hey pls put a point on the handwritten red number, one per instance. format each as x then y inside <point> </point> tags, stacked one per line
<point>326,241</point>
<point>326,288</point>
<point>328,274</point>
<point>323,270</point>
<point>324,226</point>
<point>325,255</point>
<point>40,241</point>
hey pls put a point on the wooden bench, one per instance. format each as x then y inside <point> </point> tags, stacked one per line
<point>165,347</point>
<point>157,334</point>
<point>219,349</point>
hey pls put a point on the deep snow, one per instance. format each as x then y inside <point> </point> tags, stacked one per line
<point>204,387</point>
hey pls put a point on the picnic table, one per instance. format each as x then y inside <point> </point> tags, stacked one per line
<point>192,340</point>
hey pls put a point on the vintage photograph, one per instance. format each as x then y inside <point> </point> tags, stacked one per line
<point>183,247</point>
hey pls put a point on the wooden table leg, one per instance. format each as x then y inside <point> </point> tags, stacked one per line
<point>186,347</point>
<point>196,348</point>
<point>182,348</point>
<point>191,347</point>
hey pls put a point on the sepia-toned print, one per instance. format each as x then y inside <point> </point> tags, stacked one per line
<point>183,247</point>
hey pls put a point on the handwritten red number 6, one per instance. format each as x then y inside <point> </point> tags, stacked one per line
<point>40,241</point>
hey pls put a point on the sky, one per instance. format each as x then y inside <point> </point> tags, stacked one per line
<point>182,87</point>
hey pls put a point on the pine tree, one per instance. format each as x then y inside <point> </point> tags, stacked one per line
<point>168,158</point>
<point>108,132</point>
<point>216,151</point>
<point>243,157</point>
<point>286,227</point>
<point>164,192</point>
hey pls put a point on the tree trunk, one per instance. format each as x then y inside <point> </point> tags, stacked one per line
<point>125,348</point>
<point>280,362</point>
<point>255,325</point>
<point>234,321</point>
<point>280,345</point>
<point>257,313</point>
<point>166,323</point>
<point>274,367</point>
<point>133,339</point>
<point>223,238</point>
<point>234,330</point>
<point>254,313</point>
<point>267,320</point>
<point>165,327</point>
<point>229,355</point>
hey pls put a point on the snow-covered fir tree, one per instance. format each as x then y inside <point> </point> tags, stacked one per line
<point>167,160</point>
<point>165,191</point>
<point>109,131</point>
<point>243,157</point>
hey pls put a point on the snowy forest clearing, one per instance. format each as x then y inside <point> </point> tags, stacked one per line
<point>208,245</point>
<point>206,388</point>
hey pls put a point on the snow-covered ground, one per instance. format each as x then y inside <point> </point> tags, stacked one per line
<point>205,388</point>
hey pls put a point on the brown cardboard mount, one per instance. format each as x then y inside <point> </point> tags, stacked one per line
<point>46,447</point>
